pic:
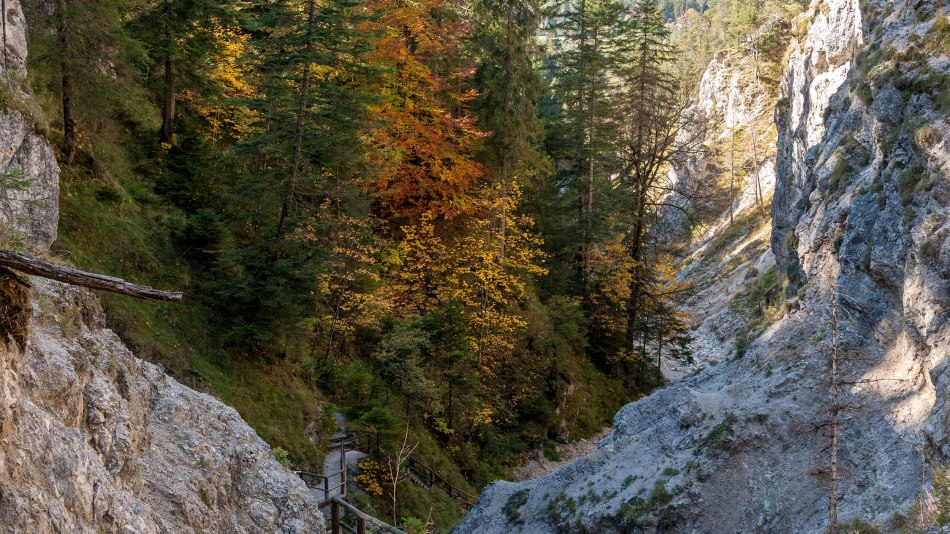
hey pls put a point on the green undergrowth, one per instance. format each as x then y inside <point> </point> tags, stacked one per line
<point>760,304</point>
<point>110,222</point>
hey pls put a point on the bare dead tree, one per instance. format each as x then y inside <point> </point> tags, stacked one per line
<point>835,409</point>
<point>396,473</point>
<point>840,384</point>
<point>44,269</point>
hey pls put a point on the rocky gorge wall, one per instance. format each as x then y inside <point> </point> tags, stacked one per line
<point>859,220</point>
<point>27,162</point>
<point>93,439</point>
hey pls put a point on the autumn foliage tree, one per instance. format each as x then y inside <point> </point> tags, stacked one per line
<point>424,133</point>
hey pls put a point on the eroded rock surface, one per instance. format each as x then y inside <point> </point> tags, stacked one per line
<point>29,174</point>
<point>93,439</point>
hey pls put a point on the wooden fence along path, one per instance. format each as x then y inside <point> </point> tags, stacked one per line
<point>335,490</point>
<point>340,509</point>
<point>418,473</point>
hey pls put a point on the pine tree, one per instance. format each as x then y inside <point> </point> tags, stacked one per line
<point>583,63</point>
<point>653,116</point>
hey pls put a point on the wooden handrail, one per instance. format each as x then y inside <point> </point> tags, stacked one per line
<point>338,506</point>
<point>368,443</point>
<point>432,478</point>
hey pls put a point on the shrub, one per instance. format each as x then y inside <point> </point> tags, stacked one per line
<point>941,495</point>
<point>721,436</point>
<point>414,525</point>
<point>842,171</point>
<point>910,181</point>
<point>282,456</point>
<point>634,513</point>
<point>791,242</point>
<point>858,526</point>
<point>760,303</point>
<point>551,453</point>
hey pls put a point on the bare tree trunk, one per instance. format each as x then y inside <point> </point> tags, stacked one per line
<point>396,475</point>
<point>506,143</point>
<point>303,104</point>
<point>759,197</point>
<point>3,20</point>
<point>45,269</point>
<point>583,204</point>
<point>69,123</point>
<point>591,163</point>
<point>835,409</point>
<point>171,79</point>
<point>732,176</point>
<point>168,109</point>
<point>636,274</point>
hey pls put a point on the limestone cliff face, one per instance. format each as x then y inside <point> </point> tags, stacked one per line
<point>25,154</point>
<point>93,439</point>
<point>860,218</point>
<point>734,246</point>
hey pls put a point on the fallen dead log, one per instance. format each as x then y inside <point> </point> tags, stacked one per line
<point>44,269</point>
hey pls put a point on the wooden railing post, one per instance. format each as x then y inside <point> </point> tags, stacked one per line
<point>335,517</point>
<point>343,468</point>
<point>360,525</point>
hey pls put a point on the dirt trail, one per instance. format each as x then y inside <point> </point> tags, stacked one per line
<point>537,465</point>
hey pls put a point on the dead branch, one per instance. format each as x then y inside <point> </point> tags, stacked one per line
<point>44,269</point>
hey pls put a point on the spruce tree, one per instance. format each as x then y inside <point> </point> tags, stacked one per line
<point>180,36</point>
<point>583,63</point>
<point>653,116</point>
<point>301,205</point>
<point>82,38</point>
<point>509,88</point>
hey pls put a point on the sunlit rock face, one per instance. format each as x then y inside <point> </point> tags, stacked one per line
<point>29,174</point>
<point>93,439</point>
<point>728,105</point>
<point>744,445</point>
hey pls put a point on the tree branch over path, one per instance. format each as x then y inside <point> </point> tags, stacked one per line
<point>44,269</point>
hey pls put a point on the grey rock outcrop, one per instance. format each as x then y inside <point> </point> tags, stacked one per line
<point>25,154</point>
<point>730,105</point>
<point>860,217</point>
<point>93,439</point>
